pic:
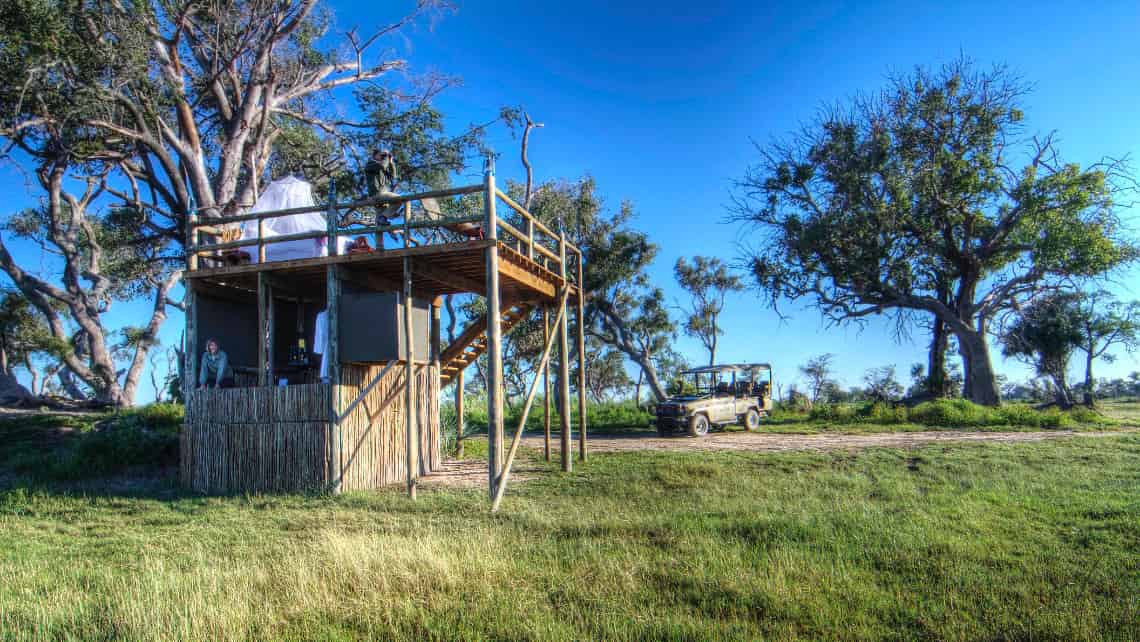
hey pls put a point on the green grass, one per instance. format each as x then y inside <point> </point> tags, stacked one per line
<point>1023,541</point>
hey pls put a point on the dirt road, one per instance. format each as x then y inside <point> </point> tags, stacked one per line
<point>769,442</point>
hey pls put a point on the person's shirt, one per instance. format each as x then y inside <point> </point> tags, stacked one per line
<point>214,364</point>
<point>380,176</point>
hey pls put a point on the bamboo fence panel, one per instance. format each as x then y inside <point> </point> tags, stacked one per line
<point>277,438</point>
<point>373,434</point>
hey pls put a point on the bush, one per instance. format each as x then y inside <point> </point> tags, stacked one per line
<point>145,437</point>
<point>956,413</point>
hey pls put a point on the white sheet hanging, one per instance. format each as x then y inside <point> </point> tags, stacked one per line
<point>282,194</point>
<point>321,341</point>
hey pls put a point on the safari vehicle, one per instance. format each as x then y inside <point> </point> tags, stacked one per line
<point>716,396</point>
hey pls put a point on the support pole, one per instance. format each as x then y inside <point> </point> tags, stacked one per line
<point>494,334</point>
<point>564,367</point>
<point>581,363</point>
<point>546,386</point>
<point>330,220</point>
<point>411,424</point>
<point>459,427</point>
<point>190,354</point>
<point>543,360</point>
<point>264,329</point>
<point>332,353</point>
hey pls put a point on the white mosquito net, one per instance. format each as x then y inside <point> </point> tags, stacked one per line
<point>283,194</point>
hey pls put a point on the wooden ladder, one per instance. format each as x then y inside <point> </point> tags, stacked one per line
<point>472,342</point>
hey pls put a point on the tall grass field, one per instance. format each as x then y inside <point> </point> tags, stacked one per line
<point>953,541</point>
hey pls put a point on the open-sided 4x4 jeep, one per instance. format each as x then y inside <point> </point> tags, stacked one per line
<point>716,396</point>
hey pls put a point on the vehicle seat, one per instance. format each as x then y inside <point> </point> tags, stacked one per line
<point>722,388</point>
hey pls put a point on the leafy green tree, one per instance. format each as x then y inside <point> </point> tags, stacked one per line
<point>1105,323</point>
<point>1045,334</point>
<point>708,282</point>
<point>820,376</point>
<point>914,199</point>
<point>882,384</point>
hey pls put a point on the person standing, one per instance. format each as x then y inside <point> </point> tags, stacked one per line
<point>215,371</point>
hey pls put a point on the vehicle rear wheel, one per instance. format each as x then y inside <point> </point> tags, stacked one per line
<point>699,426</point>
<point>752,419</point>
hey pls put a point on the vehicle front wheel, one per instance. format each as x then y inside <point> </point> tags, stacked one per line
<point>752,419</point>
<point>699,426</point>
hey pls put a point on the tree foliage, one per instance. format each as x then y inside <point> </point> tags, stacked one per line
<point>707,281</point>
<point>923,198</point>
<point>1103,324</point>
<point>1045,334</point>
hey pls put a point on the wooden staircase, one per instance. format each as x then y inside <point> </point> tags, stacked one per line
<point>472,342</point>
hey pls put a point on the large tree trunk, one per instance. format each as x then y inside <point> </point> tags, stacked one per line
<point>1089,397</point>
<point>650,372</point>
<point>981,384</point>
<point>11,391</point>
<point>637,389</point>
<point>936,380</point>
<point>1063,395</point>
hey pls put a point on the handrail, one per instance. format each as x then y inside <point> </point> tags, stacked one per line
<point>372,201</point>
<point>532,243</point>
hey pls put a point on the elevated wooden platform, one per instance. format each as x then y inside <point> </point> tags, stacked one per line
<point>447,268</point>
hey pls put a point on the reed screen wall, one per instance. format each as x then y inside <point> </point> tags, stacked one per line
<point>279,439</point>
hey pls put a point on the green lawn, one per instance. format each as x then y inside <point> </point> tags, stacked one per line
<point>1025,541</point>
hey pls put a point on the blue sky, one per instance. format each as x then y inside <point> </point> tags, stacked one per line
<point>660,102</point>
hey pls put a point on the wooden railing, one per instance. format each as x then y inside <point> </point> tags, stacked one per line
<point>535,241</point>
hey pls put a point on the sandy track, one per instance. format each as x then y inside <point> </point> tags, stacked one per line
<point>769,442</point>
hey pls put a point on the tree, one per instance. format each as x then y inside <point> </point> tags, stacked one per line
<point>915,200</point>
<point>708,282</point>
<point>167,108</point>
<point>819,372</point>
<point>882,384</point>
<point>1045,334</point>
<point>1103,324</point>
<point>622,309</point>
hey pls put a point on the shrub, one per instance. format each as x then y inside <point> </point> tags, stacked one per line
<point>956,413</point>
<point>138,437</point>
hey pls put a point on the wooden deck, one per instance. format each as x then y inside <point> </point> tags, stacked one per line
<point>449,268</point>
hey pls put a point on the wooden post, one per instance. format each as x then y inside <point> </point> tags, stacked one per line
<point>190,368</point>
<point>261,240</point>
<point>264,329</point>
<point>564,366</point>
<point>581,363</point>
<point>192,240</point>
<point>436,304</point>
<point>494,334</point>
<point>330,215</point>
<point>407,223</point>
<point>459,415</point>
<point>332,353</point>
<point>411,431</point>
<point>543,360</point>
<point>546,386</point>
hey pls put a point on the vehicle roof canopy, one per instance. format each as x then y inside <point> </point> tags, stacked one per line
<point>730,367</point>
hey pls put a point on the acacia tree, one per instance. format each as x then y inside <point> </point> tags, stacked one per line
<point>1045,334</point>
<point>623,310</point>
<point>819,372</point>
<point>708,282</point>
<point>1104,323</point>
<point>880,206</point>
